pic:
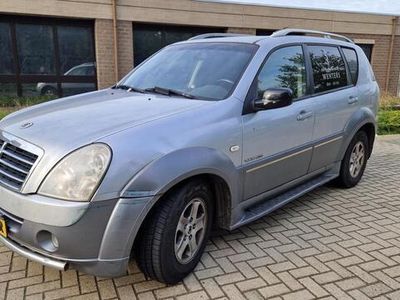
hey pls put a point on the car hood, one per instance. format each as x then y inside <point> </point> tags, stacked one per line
<point>79,120</point>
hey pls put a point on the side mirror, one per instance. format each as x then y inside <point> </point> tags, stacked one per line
<point>274,98</point>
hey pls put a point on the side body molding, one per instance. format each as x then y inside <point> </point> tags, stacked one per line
<point>360,118</point>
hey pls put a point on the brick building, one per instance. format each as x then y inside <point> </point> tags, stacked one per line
<point>65,47</point>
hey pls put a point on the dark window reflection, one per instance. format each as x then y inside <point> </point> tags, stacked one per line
<point>35,49</point>
<point>53,58</point>
<point>6,58</point>
<point>329,70</point>
<point>285,68</point>
<point>39,89</point>
<point>75,46</point>
<point>87,69</point>
<point>367,48</point>
<point>264,31</point>
<point>352,62</point>
<point>69,89</point>
<point>149,38</point>
<point>8,90</point>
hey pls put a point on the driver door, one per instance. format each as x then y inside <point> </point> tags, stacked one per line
<point>277,142</point>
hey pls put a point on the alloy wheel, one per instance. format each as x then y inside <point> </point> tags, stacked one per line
<point>190,230</point>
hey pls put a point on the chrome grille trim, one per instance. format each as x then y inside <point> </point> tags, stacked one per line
<point>15,165</point>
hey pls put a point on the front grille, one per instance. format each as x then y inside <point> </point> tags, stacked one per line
<point>15,165</point>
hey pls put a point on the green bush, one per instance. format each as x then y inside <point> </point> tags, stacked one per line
<point>389,122</point>
<point>23,101</point>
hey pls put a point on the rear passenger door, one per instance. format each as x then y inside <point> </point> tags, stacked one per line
<point>335,99</point>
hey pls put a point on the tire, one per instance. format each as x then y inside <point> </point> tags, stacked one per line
<point>49,91</point>
<point>157,252</point>
<point>353,165</point>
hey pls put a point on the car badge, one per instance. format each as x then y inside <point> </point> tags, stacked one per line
<point>26,125</point>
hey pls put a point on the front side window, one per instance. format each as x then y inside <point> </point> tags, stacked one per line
<point>204,70</point>
<point>329,70</point>
<point>285,68</point>
<point>352,62</point>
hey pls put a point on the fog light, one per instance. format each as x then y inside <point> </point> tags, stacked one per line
<point>47,241</point>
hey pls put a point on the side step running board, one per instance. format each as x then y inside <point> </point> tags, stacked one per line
<point>259,210</point>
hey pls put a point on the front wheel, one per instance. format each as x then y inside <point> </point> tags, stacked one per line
<point>354,161</point>
<point>174,236</point>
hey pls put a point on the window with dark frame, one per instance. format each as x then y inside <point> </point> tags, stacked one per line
<point>149,38</point>
<point>367,48</point>
<point>264,32</point>
<point>46,57</point>
<point>328,66</point>
<point>284,68</point>
<point>352,62</point>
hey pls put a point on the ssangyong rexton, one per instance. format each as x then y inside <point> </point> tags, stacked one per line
<point>211,131</point>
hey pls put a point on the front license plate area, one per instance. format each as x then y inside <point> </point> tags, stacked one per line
<point>3,227</point>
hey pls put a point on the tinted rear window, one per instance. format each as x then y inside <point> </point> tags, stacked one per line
<point>352,62</point>
<point>329,70</point>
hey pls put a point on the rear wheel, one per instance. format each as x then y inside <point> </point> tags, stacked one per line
<point>174,237</point>
<point>354,161</point>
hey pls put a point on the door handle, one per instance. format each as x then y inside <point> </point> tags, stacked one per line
<point>304,115</point>
<point>352,99</point>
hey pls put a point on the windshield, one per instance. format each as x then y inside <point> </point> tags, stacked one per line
<point>202,70</point>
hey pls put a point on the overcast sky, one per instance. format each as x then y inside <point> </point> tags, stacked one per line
<point>390,7</point>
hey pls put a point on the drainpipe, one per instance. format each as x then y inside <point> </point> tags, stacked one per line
<point>389,61</point>
<point>115,32</point>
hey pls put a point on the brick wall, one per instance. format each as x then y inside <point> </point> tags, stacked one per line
<point>104,53</point>
<point>394,82</point>
<point>380,55</point>
<point>125,48</point>
<point>242,30</point>
<point>104,38</point>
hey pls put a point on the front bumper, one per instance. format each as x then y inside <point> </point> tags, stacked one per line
<point>99,242</point>
<point>56,264</point>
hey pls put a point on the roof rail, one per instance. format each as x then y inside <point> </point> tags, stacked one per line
<point>214,35</point>
<point>295,31</point>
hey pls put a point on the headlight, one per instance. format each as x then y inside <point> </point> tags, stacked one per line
<point>77,176</point>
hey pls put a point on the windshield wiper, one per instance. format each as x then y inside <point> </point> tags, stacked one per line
<point>169,92</point>
<point>129,88</point>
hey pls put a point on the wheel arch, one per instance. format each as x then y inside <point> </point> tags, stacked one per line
<point>177,168</point>
<point>369,129</point>
<point>220,191</point>
<point>168,173</point>
<point>363,119</point>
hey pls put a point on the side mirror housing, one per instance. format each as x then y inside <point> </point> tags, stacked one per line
<point>274,98</point>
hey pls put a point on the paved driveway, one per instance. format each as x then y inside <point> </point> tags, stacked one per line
<point>331,243</point>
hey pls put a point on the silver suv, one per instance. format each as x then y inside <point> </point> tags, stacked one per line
<point>214,131</point>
